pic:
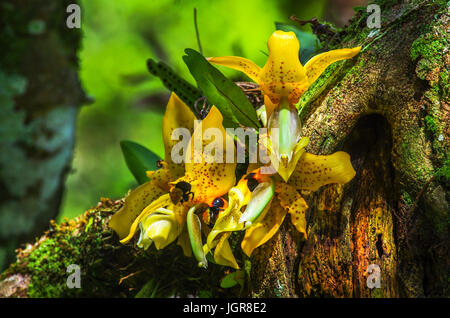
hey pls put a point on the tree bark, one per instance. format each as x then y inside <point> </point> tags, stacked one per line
<point>388,108</point>
<point>40,94</point>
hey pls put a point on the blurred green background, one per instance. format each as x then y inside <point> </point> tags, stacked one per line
<point>119,36</point>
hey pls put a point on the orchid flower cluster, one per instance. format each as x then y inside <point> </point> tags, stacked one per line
<point>199,203</point>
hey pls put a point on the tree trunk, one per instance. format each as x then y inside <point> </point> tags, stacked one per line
<point>388,108</point>
<point>39,98</point>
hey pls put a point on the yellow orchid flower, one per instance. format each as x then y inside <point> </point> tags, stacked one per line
<point>282,81</point>
<point>198,181</point>
<point>254,192</point>
<point>206,170</point>
<point>311,172</point>
<point>177,115</point>
<point>226,223</point>
<point>283,75</point>
<point>275,198</point>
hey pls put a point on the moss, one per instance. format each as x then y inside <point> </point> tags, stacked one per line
<point>407,198</point>
<point>377,293</point>
<point>429,51</point>
<point>427,46</point>
<point>430,125</point>
<point>108,268</point>
<point>328,143</point>
<point>46,261</point>
<point>443,173</point>
<point>414,159</point>
<point>431,45</point>
<point>444,82</point>
<point>327,79</point>
<point>357,32</point>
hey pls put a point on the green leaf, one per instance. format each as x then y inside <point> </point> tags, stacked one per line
<point>138,159</point>
<point>221,92</point>
<point>204,294</point>
<point>185,91</point>
<point>149,290</point>
<point>233,279</point>
<point>309,43</point>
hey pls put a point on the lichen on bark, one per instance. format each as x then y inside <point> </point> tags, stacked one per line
<point>40,94</point>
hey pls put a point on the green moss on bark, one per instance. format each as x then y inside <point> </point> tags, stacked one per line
<point>48,259</point>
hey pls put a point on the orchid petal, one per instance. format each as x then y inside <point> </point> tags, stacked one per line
<point>229,219</point>
<point>177,115</point>
<point>262,231</point>
<point>144,240</point>
<point>183,241</point>
<point>134,203</point>
<point>314,171</point>
<point>293,203</point>
<point>244,65</point>
<point>209,177</point>
<point>284,134</point>
<point>223,255</point>
<point>283,74</point>
<point>168,173</point>
<point>315,66</point>
<point>270,107</point>
<point>162,201</point>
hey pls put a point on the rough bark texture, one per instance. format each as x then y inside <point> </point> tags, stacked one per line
<point>388,108</point>
<point>39,98</point>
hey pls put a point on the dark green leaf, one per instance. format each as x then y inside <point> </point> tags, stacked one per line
<point>148,290</point>
<point>204,294</point>
<point>309,43</point>
<point>138,159</point>
<point>221,92</point>
<point>233,279</point>
<point>185,91</point>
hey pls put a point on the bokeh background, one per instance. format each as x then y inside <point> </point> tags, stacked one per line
<point>128,103</point>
